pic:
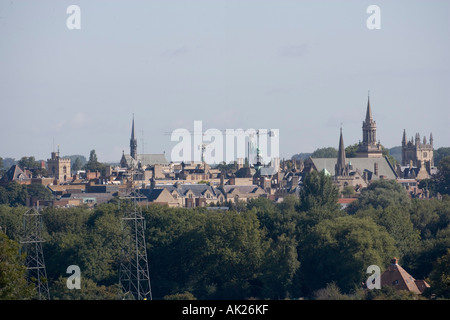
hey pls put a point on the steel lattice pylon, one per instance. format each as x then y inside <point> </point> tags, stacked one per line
<point>32,245</point>
<point>134,274</point>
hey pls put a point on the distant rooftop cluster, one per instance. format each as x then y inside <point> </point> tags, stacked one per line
<point>194,184</point>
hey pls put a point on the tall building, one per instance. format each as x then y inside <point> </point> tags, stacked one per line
<point>415,152</point>
<point>369,147</point>
<point>58,168</point>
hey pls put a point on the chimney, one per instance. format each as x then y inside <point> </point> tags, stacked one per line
<point>375,168</point>
<point>394,261</point>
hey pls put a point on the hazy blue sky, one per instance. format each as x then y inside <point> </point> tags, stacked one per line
<point>302,67</point>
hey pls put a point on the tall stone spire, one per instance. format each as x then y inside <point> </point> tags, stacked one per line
<point>368,111</point>
<point>133,142</point>
<point>369,147</point>
<point>369,127</point>
<point>341,168</point>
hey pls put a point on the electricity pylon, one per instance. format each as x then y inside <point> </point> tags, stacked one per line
<point>32,245</point>
<point>134,277</point>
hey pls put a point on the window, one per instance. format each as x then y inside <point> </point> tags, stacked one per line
<point>395,282</point>
<point>424,154</point>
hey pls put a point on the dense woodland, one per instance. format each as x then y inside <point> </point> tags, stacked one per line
<point>304,247</point>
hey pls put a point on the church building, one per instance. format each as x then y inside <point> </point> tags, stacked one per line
<point>59,168</point>
<point>369,164</point>
<point>369,147</point>
<point>135,160</point>
<point>417,157</point>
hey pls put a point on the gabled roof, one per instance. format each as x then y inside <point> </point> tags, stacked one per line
<point>15,174</point>
<point>198,190</point>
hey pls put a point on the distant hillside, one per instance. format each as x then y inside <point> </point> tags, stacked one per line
<point>301,156</point>
<point>75,156</point>
<point>396,152</point>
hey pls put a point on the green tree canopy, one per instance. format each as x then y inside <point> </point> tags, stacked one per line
<point>340,250</point>
<point>440,154</point>
<point>398,224</point>
<point>28,163</point>
<point>442,177</point>
<point>13,283</point>
<point>93,164</point>
<point>440,277</point>
<point>327,152</point>
<point>381,193</point>
<point>318,192</point>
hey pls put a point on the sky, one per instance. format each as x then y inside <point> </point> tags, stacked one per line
<point>302,67</point>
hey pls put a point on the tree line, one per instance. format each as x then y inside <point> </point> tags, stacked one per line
<point>304,247</point>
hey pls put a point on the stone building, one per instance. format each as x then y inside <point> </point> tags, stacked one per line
<point>369,147</point>
<point>417,157</point>
<point>135,160</point>
<point>368,166</point>
<point>59,168</point>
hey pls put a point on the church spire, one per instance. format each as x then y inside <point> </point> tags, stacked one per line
<point>369,118</point>
<point>369,147</point>
<point>133,142</point>
<point>341,167</point>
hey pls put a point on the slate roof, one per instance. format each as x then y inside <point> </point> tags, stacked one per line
<point>362,164</point>
<point>151,194</point>
<point>147,159</point>
<point>241,189</point>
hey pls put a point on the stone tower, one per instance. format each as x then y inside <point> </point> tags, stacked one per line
<point>369,148</point>
<point>58,168</point>
<point>417,153</point>
<point>133,142</point>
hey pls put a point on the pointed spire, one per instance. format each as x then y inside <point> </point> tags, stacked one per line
<point>431,138</point>
<point>369,110</point>
<point>133,142</point>
<point>341,167</point>
<point>132,129</point>
<point>404,137</point>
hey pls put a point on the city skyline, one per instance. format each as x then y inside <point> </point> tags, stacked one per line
<point>302,67</point>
